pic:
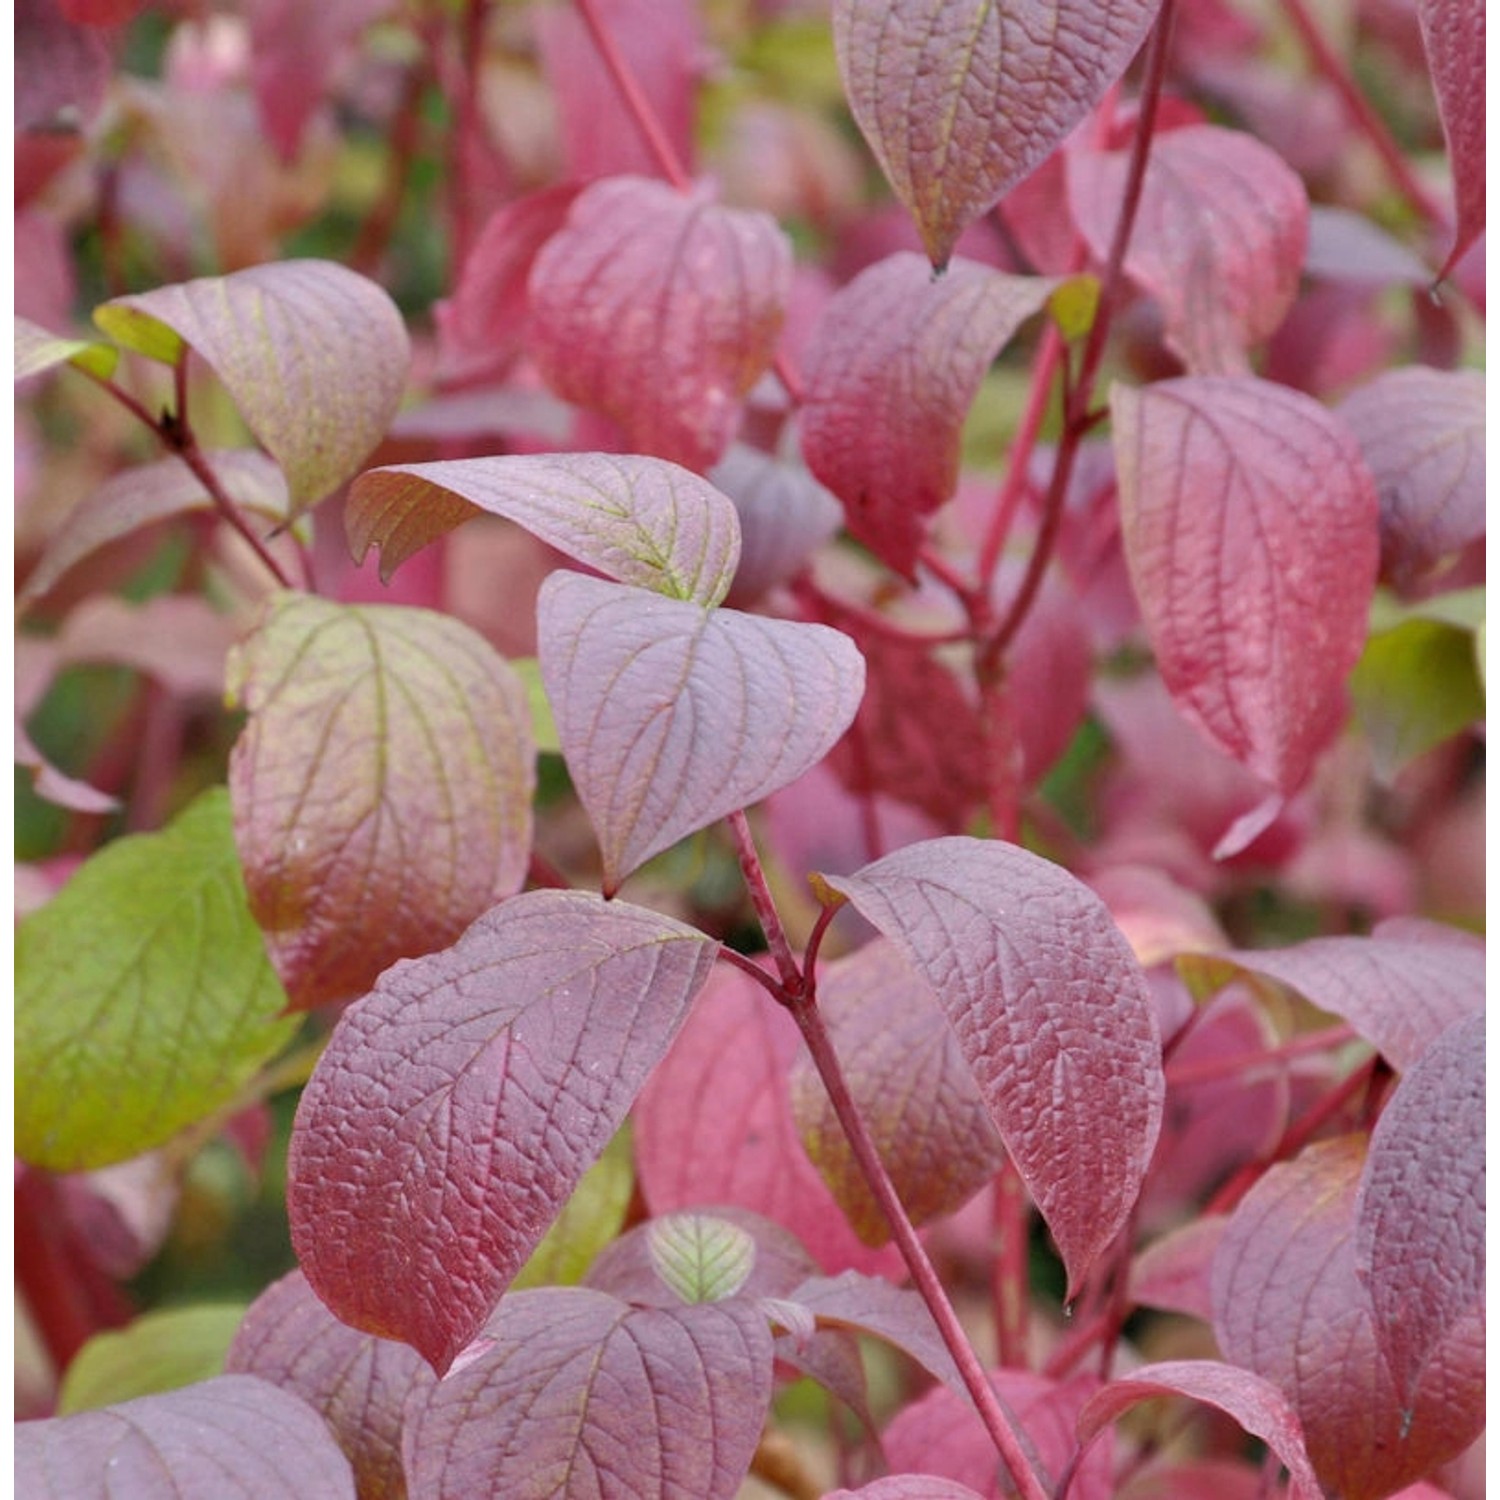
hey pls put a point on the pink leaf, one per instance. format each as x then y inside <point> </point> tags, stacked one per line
<point>894,362</point>
<point>671,715</point>
<point>641,521</point>
<point>55,786</point>
<point>1419,1215</point>
<point>1422,434</point>
<point>1254,1403</point>
<point>960,99</point>
<point>458,1105</point>
<point>1250,530</point>
<point>382,786</point>
<point>1052,1014</point>
<point>61,70</point>
<point>482,325</point>
<point>714,1126</point>
<point>1219,237</point>
<point>578,1396</point>
<point>1345,246</point>
<point>661,311</point>
<point>913,1088</point>
<point>1454,38</point>
<point>314,356</point>
<point>38,350</point>
<point>908,1487</point>
<point>1173,1273</point>
<point>236,1438</point>
<point>1289,1306</point>
<point>356,1382</point>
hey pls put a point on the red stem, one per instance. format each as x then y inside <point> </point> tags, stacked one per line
<point>471,45</point>
<point>765,906</point>
<point>1222,1067</point>
<point>1011,1283</point>
<point>380,223</point>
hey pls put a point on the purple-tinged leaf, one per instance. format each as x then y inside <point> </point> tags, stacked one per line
<point>1198,1479</point>
<point>1400,990</point>
<point>382,786</point>
<point>152,493</point>
<point>1173,1273</point>
<point>1422,434</point>
<point>960,99</point>
<point>661,311</point>
<point>482,327</point>
<point>641,521</point>
<point>359,1384</point>
<point>1419,1214</point>
<point>1250,529</point>
<point>578,1396</point>
<point>1289,1306</point>
<point>314,356</point>
<point>714,1126</point>
<point>909,1078</point>
<point>699,1257</point>
<point>785,516</point>
<point>60,70</point>
<point>38,350</point>
<point>1219,237</point>
<point>1052,1014</point>
<point>908,1487</point>
<point>892,367</point>
<point>672,716</point>
<point>1454,38</point>
<point>1254,1403</point>
<point>458,1105</point>
<point>235,1438</point>
<point>1345,246</point>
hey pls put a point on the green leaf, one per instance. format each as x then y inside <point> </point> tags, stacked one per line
<point>37,350</point>
<point>144,997</point>
<point>160,1351</point>
<point>543,725</point>
<point>701,1258</point>
<point>591,1218</point>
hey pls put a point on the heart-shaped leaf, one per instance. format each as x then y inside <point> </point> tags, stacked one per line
<point>1419,1215</point>
<point>960,99</point>
<point>358,1383</point>
<point>577,1395</point>
<point>1250,528</point>
<point>1219,237</point>
<point>236,1438</point>
<point>314,356</point>
<point>892,367</point>
<point>642,521</point>
<point>661,311</point>
<point>672,715</point>
<point>1052,1014</point>
<point>1454,38</point>
<point>458,1105</point>
<point>144,997</point>
<point>382,786</point>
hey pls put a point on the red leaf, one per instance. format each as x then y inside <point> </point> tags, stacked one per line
<point>1052,1014</point>
<point>458,1105</point>
<point>894,362</point>
<point>1250,530</point>
<point>671,715</point>
<point>714,1126</point>
<point>1422,434</point>
<point>356,1382</point>
<point>235,1438</point>
<point>382,786</point>
<point>908,1487</point>
<point>639,520</point>
<point>98,12</point>
<point>1289,1305</point>
<point>1219,238</point>
<point>1454,38</point>
<point>661,311</point>
<point>61,70</point>
<point>1254,1403</point>
<point>1419,1216</point>
<point>960,99</point>
<point>913,1088</point>
<point>1173,1273</point>
<point>577,1395</point>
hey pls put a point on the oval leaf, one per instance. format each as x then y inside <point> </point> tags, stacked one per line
<point>382,786</point>
<point>1249,522</point>
<point>672,716</point>
<point>661,311</point>
<point>701,1258</point>
<point>1454,38</point>
<point>578,1395</point>
<point>892,367</point>
<point>235,1437</point>
<point>1419,1215</point>
<point>1051,1012</point>
<point>144,997</point>
<point>458,1105</point>
<point>314,356</point>
<point>1219,239</point>
<point>638,520</point>
<point>960,99</point>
